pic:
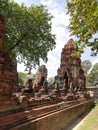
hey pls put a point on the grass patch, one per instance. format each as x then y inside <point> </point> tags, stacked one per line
<point>96,102</point>
<point>91,122</point>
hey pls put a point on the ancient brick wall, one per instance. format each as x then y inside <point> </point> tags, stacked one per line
<point>2,24</point>
<point>8,75</point>
<point>58,120</point>
<point>8,68</point>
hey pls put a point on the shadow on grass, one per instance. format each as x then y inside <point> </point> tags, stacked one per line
<point>75,122</point>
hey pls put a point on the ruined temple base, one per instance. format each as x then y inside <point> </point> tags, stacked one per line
<point>77,95</point>
<point>70,96</point>
<point>85,95</point>
<point>7,102</point>
<point>44,117</point>
<point>24,100</point>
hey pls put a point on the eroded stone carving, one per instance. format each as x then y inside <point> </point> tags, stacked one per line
<point>41,76</point>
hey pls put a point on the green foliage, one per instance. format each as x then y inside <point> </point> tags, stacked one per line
<point>94,74</point>
<point>91,121</point>
<point>23,78</point>
<point>27,33</point>
<point>51,80</point>
<point>84,23</point>
<point>20,81</point>
<point>86,65</point>
<point>91,76</point>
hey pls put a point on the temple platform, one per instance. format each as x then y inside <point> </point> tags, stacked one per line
<point>44,115</point>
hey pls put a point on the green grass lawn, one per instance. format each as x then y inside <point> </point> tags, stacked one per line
<point>91,122</point>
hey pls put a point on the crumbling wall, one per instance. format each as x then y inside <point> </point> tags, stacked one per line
<point>8,68</point>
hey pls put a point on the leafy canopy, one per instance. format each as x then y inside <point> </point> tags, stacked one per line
<point>86,65</point>
<point>94,74</point>
<point>84,23</point>
<point>27,33</point>
<point>24,77</point>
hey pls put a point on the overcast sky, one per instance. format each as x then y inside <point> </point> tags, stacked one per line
<point>59,28</point>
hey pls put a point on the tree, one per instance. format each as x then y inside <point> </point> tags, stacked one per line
<point>23,78</point>
<point>94,74</point>
<point>86,65</point>
<point>27,33</point>
<point>51,80</point>
<point>84,23</point>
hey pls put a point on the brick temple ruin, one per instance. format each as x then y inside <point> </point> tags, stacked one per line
<point>43,108</point>
<point>71,66</point>
<point>70,72</point>
<point>8,72</point>
<point>41,76</point>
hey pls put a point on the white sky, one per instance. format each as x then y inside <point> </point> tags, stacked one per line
<point>59,28</point>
